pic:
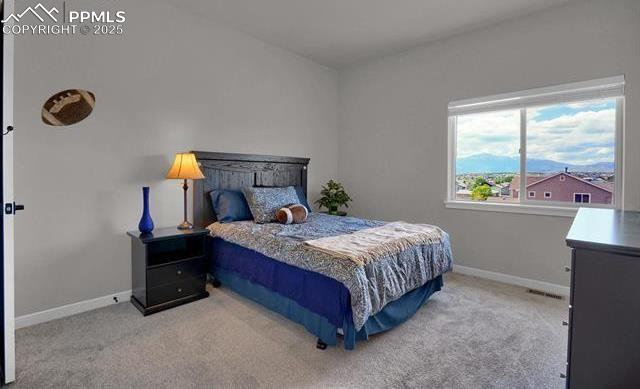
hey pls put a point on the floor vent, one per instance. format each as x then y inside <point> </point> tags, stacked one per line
<point>545,294</point>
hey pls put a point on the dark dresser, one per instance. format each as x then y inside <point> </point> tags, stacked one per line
<point>604,310</point>
<point>168,268</point>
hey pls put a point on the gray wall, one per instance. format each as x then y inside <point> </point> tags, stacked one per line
<point>173,82</point>
<point>395,109</point>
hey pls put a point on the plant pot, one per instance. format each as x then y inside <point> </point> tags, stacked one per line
<point>333,210</point>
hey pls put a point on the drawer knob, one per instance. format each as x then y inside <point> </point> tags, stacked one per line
<point>179,272</point>
<point>565,323</point>
<point>567,268</point>
<point>179,290</point>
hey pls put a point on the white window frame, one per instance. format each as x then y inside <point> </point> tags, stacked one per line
<point>548,193</point>
<point>581,194</point>
<point>605,88</point>
<point>529,193</point>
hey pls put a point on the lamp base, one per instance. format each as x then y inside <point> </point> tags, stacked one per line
<point>185,225</point>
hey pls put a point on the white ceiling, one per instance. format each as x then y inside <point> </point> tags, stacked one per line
<point>340,32</point>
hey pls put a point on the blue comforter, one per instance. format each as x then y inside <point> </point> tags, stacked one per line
<point>313,291</point>
<point>372,286</point>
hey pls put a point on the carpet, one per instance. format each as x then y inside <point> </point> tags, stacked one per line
<point>473,334</point>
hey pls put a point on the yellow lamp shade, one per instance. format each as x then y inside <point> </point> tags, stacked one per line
<point>185,167</point>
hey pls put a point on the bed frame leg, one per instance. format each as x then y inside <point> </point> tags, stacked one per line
<point>321,345</point>
<point>215,283</point>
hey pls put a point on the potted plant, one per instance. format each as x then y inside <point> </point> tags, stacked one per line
<point>333,197</point>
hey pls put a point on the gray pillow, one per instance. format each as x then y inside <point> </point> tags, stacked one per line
<point>265,202</point>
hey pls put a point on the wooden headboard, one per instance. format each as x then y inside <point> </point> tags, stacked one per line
<point>236,171</point>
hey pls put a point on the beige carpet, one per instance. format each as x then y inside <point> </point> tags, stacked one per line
<point>472,334</point>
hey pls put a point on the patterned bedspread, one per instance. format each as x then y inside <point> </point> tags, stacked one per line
<point>371,286</point>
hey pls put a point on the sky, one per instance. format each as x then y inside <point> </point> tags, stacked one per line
<point>580,133</point>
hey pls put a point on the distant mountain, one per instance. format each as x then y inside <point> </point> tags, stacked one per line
<point>488,163</point>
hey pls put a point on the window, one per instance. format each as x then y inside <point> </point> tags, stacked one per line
<point>582,198</point>
<point>480,136</point>
<point>564,140</point>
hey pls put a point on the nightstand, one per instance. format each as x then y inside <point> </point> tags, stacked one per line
<point>168,268</point>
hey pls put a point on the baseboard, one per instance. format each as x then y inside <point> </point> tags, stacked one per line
<point>513,280</point>
<point>99,302</point>
<point>71,309</point>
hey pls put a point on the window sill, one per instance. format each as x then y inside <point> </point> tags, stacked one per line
<point>514,208</point>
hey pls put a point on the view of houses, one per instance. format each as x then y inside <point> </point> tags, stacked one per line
<point>565,186</point>
<point>569,153</point>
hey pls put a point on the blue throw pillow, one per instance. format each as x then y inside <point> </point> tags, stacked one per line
<point>230,206</point>
<point>302,198</point>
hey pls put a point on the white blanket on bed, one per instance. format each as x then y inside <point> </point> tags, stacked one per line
<point>367,245</point>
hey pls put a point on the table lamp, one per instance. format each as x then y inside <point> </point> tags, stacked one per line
<point>185,167</point>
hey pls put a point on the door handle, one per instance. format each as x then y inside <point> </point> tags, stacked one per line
<point>11,208</point>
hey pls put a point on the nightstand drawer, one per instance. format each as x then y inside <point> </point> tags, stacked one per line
<point>177,290</point>
<point>180,271</point>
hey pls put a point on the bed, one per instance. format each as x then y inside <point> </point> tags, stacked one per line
<point>275,265</point>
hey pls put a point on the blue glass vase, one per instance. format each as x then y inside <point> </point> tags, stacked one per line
<point>146,223</point>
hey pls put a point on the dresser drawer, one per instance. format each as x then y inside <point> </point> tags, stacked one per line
<point>176,290</point>
<point>170,274</point>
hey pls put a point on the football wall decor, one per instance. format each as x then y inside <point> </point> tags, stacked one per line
<point>68,107</point>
